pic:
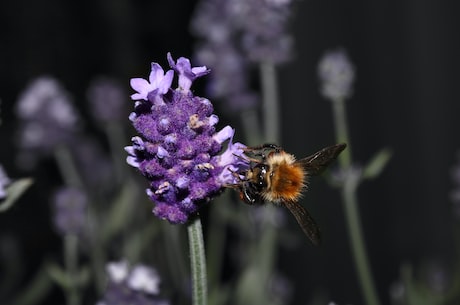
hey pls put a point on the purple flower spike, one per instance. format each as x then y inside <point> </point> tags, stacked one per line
<point>70,210</point>
<point>177,147</point>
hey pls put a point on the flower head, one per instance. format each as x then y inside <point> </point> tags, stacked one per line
<point>137,285</point>
<point>178,147</point>
<point>70,210</point>
<point>336,74</point>
<point>264,29</point>
<point>107,99</point>
<point>48,117</point>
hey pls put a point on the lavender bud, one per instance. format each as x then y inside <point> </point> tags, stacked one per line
<point>336,74</point>
<point>70,210</point>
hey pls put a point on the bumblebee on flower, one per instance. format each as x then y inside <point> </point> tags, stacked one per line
<point>178,148</point>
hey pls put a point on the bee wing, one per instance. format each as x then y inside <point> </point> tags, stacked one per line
<point>319,161</point>
<point>306,222</point>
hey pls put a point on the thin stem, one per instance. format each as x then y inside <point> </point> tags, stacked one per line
<point>71,177</point>
<point>357,244</point>
<point>71,264</point>
<point>271,107</point>
<point>341,131</point>
<point>67,167</point>
<point>251,126</point>
<point>198,263</point>
<point>272,127</point>
<point>350,201</point>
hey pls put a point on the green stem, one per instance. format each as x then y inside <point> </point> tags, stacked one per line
<point>357,243</point>
<point>71,264</point>
<point>67,167</point>
<point>341,131</point>
<point>251,126</point>
<point>197,263</point>
<point>350,201</point>
<point>271,111</point>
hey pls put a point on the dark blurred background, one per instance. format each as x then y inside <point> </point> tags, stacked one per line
<point>405,98</point>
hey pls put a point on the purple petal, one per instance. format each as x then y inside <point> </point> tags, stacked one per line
<point>166,82</point>
<point>162,152</point>
<point>142,88</point>
<point>226,133</point>
<point>132,161</point>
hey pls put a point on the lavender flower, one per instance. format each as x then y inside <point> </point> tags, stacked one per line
<point>47,114</point>
<point>95,168</point>
<point>336,74</point>
<point>138,285</point>
<point>230,76</point>
<point>178,147</point>
<point>107,99</point>
<point>70,210</point>
<point>264,29</point>
<point>256,27</point>
<point>234,33</point>
<point>4,182</point>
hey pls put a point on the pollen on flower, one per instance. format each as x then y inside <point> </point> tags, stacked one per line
<point>178,148</point>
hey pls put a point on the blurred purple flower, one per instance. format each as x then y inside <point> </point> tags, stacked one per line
<point>264,29</point>
<point>4,182</point>
<point>229,79</point>
<point>178,147</point>
<point>70,210</point>
<point>137,285</point>
<point>47,116</point>
<point>336,74</point>
<point>107,99</point>
<point>234,33</point>
<point>93,163</point>
<point>256,27</point>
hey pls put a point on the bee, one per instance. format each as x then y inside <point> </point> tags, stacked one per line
<point>276,176</point>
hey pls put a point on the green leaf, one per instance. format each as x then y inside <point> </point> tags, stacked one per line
<point>13,192</point>
<point>36,290</point>
<point>120,210</point>
<point>377,164</point>
<point>58,275</point>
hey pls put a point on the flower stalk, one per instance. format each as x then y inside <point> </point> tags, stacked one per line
<point>271,107</point>
<point>197,263</point>
<point>337,75</point>
<point>350,201</point>
<point>71,265</point>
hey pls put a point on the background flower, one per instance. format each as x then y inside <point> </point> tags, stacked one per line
<point>47,117</point>
<point>135,285</point>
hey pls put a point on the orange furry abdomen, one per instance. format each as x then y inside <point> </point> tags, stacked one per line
<point>287,183</point>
